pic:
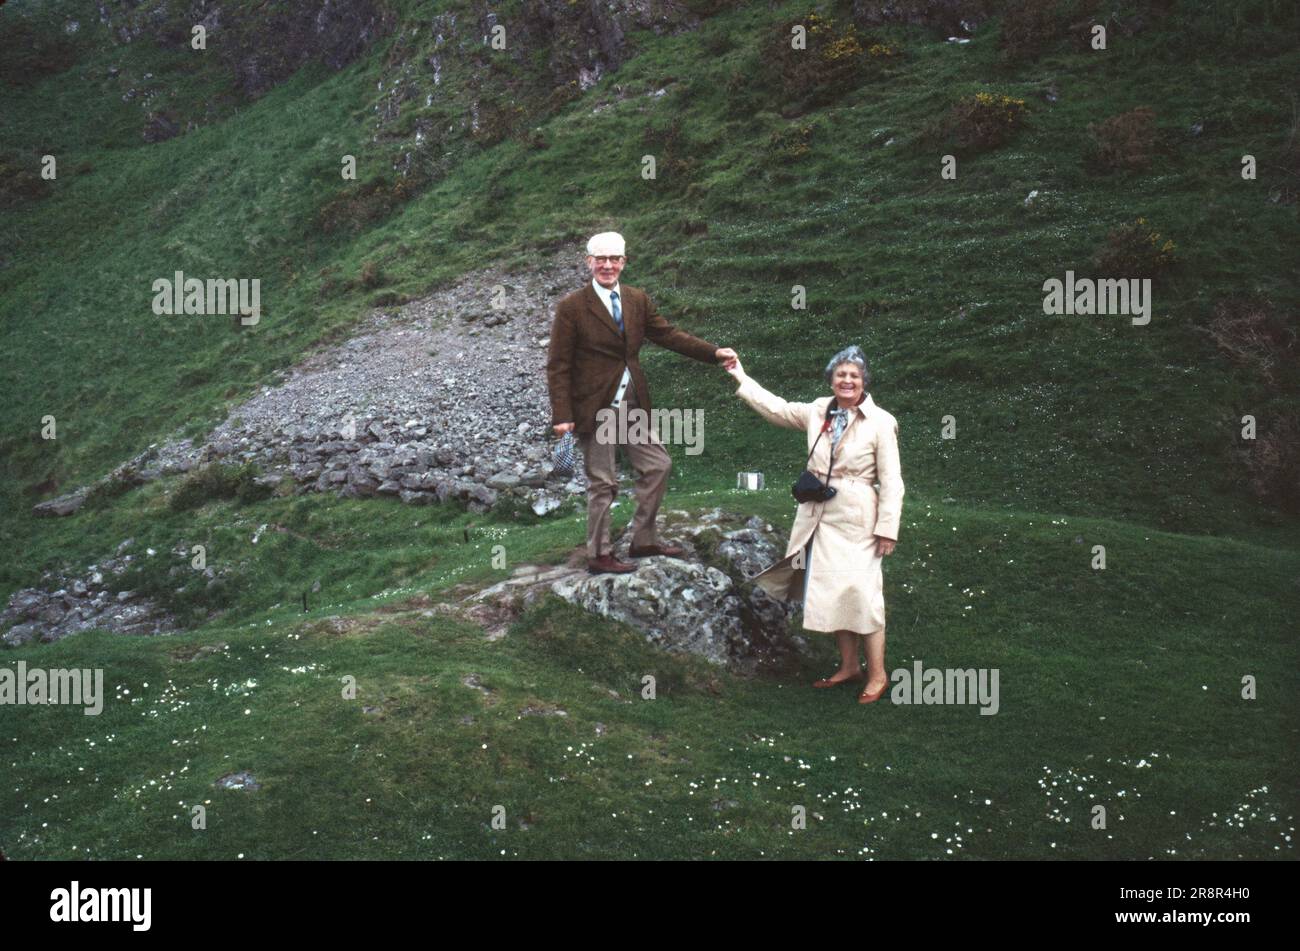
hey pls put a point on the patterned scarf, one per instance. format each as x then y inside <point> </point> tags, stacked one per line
<point>840,421</point>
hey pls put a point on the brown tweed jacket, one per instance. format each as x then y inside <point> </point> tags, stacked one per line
<point>587,353</point>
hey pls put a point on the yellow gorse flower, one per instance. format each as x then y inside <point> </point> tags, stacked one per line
<point>845,46</point>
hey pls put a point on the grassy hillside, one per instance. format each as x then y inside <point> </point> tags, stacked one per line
<point>1067,427</point>
<point>939,280</point>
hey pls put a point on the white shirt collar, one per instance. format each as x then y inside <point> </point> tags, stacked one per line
<point>604,292</point>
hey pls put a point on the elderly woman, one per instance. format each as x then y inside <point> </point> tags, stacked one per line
<point>833,560</point>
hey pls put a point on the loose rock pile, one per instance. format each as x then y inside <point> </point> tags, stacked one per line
<point>65,605</point>
<point>445,398</point>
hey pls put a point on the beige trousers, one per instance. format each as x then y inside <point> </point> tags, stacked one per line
<point>652,464</point>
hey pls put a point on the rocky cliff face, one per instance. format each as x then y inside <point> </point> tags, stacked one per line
<point>584,41</point>
<point>261,45</point>
<point>444,84</point>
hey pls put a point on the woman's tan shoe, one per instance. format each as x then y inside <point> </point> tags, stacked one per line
<point>827,682</point>
<point>866,697</point>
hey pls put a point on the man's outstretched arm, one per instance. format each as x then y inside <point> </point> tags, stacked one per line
<point>668,336</point>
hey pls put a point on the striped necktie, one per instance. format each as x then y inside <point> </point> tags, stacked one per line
<point>618,311</point>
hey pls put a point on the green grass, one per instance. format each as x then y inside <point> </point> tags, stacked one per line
<point>1099,671</point>
<point>1066,427</point>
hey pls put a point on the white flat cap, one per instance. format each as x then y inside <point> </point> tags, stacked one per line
<point>607,242</point>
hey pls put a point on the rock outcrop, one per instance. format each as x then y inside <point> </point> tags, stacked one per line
<point>702,603</point>
<point>262,46</point>
<point>68,604</point>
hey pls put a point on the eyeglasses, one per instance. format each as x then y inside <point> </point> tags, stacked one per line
<point>606,258</point>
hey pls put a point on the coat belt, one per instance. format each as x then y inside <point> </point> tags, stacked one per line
<point>860,481</point>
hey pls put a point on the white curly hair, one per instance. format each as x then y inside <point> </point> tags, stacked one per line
<point>850,354</point>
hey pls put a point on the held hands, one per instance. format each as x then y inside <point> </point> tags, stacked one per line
<point>731,363</point>
<point>562,428</point>
<point>885,545</point>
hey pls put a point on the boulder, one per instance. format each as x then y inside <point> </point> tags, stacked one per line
<point>703,604</point>
<point>64,505</point>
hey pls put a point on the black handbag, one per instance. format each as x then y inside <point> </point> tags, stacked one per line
<point>809,488</point>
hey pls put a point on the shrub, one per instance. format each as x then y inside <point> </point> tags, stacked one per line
<point>496,121</point>
<point>1252,334</point>
<point>191,596</point>
<point>361,204</point>
<point>561,96</point>
<point>1256,335</point>
<point>1134,250</point>
<point>1273,463</point>
<point>31,50</point>
<point>218,481</point>
<point>674,163</point>
<point>20,181</point>
<point>981,122</point>
<point>1127,140</point>
<point>1029,28</point>
<point>791,143</point>
<point>718,42</point>
<point>829,66</point>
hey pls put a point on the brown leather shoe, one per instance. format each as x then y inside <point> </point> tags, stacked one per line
<point>606,563</point>
<point>646,551</point>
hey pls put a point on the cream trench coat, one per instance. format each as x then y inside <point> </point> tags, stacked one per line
<point>845,583</point>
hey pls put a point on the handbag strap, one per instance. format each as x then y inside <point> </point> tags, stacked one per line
<point>826,425</point>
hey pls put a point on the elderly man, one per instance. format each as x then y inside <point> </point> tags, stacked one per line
<point>592,364</point>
